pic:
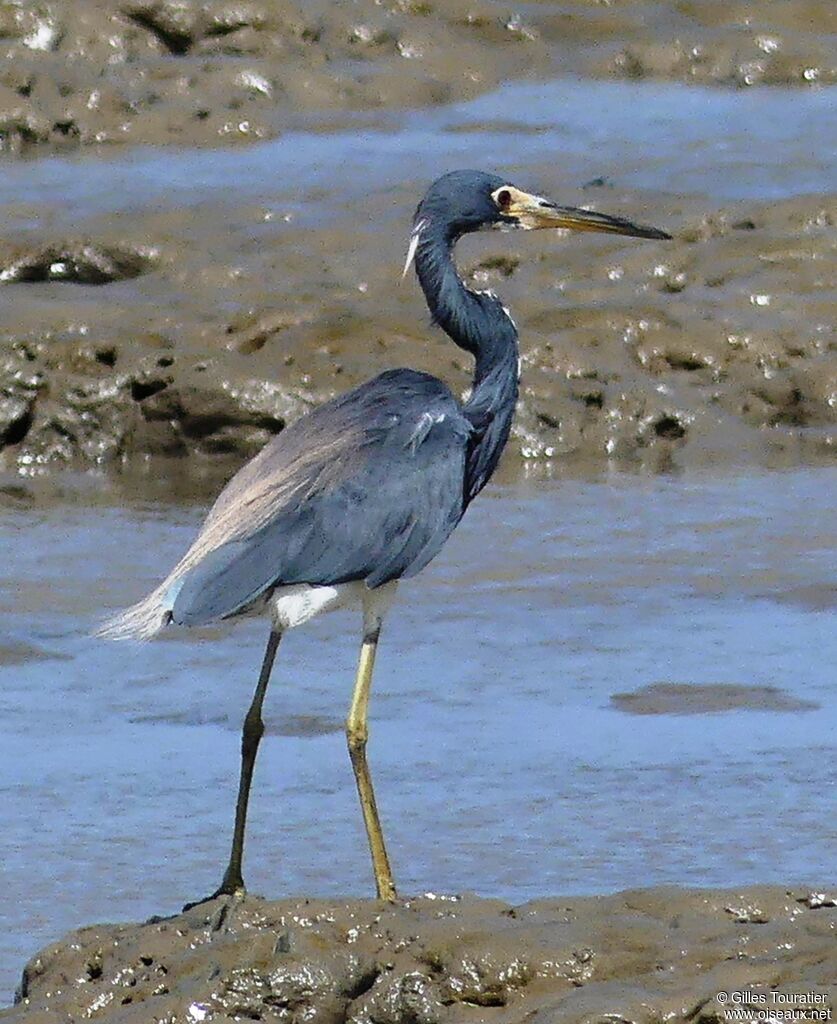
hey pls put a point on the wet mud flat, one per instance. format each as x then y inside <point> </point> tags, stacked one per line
<point>717,346</point>
<point>639,957</point>
<point>219,72</point>
<point>148,313</point>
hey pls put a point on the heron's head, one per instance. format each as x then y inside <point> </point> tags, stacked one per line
<point>464,201</point>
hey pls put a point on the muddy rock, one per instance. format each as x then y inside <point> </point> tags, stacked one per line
<point>217,72</point>
<point>75,262</point>
<point>637,956</point>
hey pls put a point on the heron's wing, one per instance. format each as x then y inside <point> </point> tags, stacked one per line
<point>367,487</point>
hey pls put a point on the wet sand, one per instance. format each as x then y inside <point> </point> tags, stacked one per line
<point>637,957</point>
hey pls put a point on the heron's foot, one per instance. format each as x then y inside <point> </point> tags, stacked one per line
<point>233,889</point>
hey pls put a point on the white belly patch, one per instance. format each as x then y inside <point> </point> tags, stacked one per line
<point>293,605</point>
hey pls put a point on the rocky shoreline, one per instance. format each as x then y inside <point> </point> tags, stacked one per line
<point>638,957</point>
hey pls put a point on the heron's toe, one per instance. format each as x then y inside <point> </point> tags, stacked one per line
<point>229,895</point>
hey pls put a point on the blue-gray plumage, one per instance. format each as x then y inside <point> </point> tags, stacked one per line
<point>366,489</point>
<point>392,493</point>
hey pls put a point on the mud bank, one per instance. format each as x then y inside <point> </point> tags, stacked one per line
<point>218,72</point>
<point>203,330</point>
<point>641,956</point>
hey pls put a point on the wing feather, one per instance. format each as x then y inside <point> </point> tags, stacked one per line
<point>368,487</point>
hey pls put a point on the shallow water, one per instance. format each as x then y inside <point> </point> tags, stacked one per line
<point>501,765</point>
<point>682,140</point>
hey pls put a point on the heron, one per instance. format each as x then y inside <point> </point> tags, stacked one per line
<point>364,490</point>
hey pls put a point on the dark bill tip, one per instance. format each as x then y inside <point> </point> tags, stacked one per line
<point>590,220</point>
<point>642,231</point>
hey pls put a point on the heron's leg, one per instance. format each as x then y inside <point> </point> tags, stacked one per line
<point>251,735</point>
<point>357,733</point>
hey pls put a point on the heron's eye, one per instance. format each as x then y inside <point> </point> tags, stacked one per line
<point>503,198</point>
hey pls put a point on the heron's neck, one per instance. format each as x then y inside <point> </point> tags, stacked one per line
<point>478,323</point>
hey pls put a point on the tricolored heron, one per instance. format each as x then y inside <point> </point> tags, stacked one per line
<point>366,489</point>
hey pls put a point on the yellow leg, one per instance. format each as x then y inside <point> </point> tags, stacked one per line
<point>357,734</point>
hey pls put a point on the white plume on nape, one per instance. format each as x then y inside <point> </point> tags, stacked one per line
<point>415,238</point>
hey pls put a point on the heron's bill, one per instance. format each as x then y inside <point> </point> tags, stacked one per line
<point>534,212</point>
